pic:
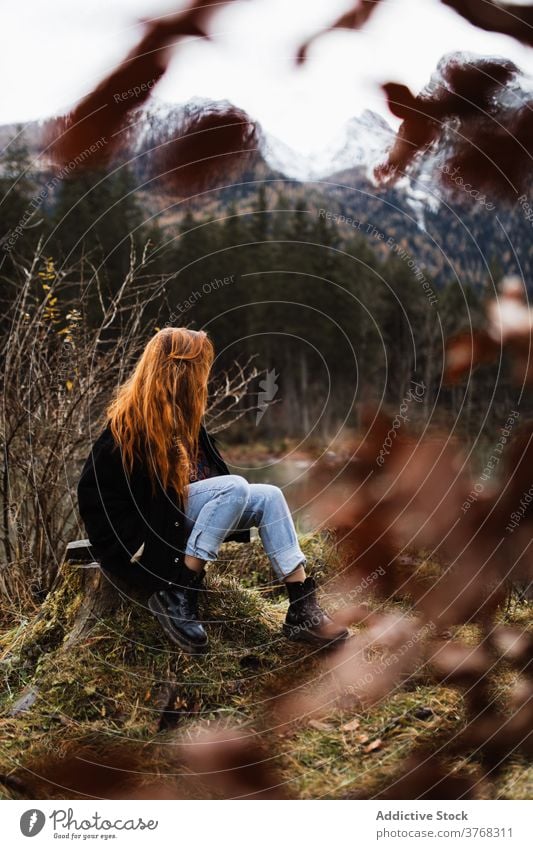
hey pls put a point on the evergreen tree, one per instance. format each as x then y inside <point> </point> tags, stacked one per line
<point>98,215</point>
<point>20,204</point>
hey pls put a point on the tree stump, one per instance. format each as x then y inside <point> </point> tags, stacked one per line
<point>100,596</point>
<point>93,669</point>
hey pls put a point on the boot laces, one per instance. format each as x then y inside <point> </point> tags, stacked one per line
<point>182,602</point>
<point>308,608</point>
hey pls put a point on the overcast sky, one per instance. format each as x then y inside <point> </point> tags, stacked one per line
<point>54,51</point>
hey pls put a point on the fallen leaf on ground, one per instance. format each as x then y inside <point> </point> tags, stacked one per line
<point>353,725</point>
<point>375,744</point>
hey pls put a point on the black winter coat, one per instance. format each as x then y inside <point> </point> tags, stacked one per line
<point>121,512</point>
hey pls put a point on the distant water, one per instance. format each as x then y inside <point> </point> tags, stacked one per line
<point>290,475</point>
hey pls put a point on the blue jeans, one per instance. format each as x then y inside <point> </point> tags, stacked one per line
<point>216,506</point>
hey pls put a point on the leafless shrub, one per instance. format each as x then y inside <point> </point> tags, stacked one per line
<point>67,341</point>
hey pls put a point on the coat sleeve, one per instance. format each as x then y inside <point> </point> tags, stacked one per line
<point>111,505</point>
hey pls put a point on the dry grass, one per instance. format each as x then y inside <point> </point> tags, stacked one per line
<point>124,682</point>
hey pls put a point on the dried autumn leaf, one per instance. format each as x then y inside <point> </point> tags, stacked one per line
<point>204,150</point>
<point>353,725</point>
<point>467,350</point>
<point>513,19</point>
<point>353,19</point>
<point>233,763</point>
<point>477,126</point>
<point>91,133</point>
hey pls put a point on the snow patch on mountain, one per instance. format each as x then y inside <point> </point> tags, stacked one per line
<point>362,143</point>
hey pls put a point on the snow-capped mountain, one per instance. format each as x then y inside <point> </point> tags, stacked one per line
<point>439,231</point>
<point>362,143</point>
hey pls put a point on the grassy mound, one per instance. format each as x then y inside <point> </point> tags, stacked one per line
<point>122,683</point>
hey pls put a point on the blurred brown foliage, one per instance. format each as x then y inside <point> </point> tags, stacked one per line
<point>486,134</point>
<point>104,112</point>
<point>508,18</point>
<point>205,151</point>
<point>415,500</point>
<point>472,108</point>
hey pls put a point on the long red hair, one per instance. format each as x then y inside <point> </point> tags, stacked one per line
<point>156,414</point>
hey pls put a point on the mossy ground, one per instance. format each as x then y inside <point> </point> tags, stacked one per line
<point>125,683</point>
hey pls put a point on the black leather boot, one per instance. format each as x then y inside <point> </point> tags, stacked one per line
<point>306,621</point>
<point>176,609</point>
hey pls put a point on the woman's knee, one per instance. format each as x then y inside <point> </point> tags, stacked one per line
<point>238,487</point>
<point>265,492</point>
